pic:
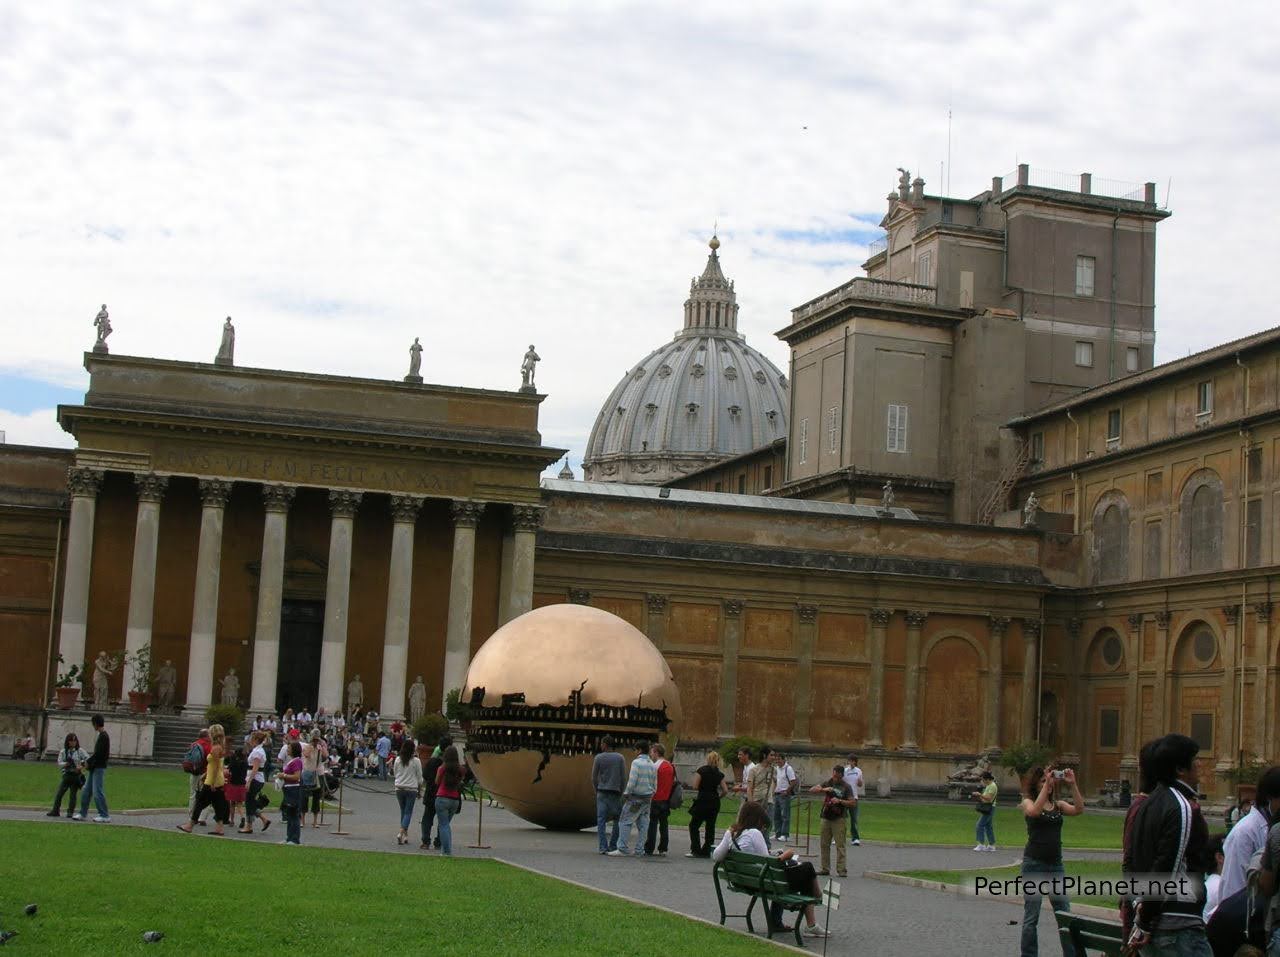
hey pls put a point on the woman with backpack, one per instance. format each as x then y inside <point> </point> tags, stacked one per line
<point>71,761</point>
<point>448,797</point>
<point>408,777</point>
<point>212,785</point>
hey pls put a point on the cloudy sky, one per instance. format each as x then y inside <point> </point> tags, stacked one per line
<point>340,178</point>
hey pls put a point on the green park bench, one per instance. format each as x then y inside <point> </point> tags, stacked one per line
<point>764,879</point>
<point>1089,935</point>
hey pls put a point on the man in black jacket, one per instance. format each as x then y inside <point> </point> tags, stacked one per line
<point>95,773</point>
<point>1170,838</point>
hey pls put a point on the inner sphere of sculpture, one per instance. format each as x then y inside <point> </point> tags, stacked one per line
<point>549,685</point>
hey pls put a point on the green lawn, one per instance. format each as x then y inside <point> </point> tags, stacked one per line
<point>36,782</point>
<point>1083,869</point>
<point>99,888</point>
<point>900,822</point>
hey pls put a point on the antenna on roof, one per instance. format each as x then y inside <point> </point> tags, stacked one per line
<point>1168,187</point>
<point>948,192</point>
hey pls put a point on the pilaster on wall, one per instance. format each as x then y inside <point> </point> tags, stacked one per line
<point>911,706</point>
<point>1262,714</point>
<point>805,634</point>
<point>727,722</point>
<point>656,619</point>
<point>1160,700</point>
<point>1133,706</point>
<point>1229,705</point>
<point>1030,674</point>
<point>995,655</point>
<point>875,693</point>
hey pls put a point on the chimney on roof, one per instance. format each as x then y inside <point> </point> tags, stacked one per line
<point>1086,183</point>
<point>1024,174</point>
<point>1149,194</point>
<point>997,185</point>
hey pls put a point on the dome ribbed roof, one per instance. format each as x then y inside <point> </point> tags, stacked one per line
<point>700,398</point>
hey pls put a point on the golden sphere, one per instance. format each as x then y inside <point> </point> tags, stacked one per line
<point>715,243</point>
<point>543,691</point>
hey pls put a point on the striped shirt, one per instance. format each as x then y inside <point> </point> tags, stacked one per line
<point>643,780</point>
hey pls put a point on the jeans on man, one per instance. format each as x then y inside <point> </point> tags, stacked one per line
<point>659,812</point>
<point>196,782</point>
<point>635,813</point>
<point>782,815</point>
<point>853,823</point>
<point>608,808</point>
<point>833,831</point>
<point>382,768</point>
<point>1191,943</point>
<point>986,831</point>
<point>94,787</point>
<point>1038,870</point>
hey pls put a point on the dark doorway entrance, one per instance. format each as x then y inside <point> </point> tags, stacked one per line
<point>301,634</point>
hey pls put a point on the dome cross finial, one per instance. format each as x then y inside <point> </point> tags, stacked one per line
<point>715,236</point>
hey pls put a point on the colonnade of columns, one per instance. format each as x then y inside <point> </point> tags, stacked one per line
<point>84,484</point>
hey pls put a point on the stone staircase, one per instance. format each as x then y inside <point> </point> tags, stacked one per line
<point>173,736</point>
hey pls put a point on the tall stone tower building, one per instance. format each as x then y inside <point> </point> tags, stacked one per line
<point>702,397</point>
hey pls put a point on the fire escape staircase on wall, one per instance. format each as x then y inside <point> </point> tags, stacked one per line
<point>997,499</point>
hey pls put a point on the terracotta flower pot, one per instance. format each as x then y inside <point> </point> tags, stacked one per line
<point>138,701</point>
<point>67,697</point>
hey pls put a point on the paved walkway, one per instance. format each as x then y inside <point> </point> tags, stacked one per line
<point>874,917</point>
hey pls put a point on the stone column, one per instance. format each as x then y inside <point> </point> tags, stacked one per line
<point>729,668</point>
<point>806,634</point>
<point>911,704</point>
<point>875,688</point>
<point>457,651</point>
<point>656,619</point>
<point>142,583</point>
<point>266,634</point>
<point>1229,701</point>
<point>1074,719</point>
<point>526,520</point>
<point>995,679</point>
<point>1261,720</point>
<point>395,642</point>
<point>83,484</point>
<point>1160,696</point>
<point>204,615</point>
<point>1133,694</point>
<point>333,648</point>
<point>1030,673</point>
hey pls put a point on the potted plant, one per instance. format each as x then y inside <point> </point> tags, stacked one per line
<point>67,686</point>
<point>140,665</point>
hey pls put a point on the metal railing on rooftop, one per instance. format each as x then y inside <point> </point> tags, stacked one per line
<point>1084,183</point>
<point>877,247</point>
<point>861,287</point>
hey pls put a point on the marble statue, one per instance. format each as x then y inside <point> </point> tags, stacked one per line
<point>231,688</point>
<point>355,693</point>
<point>1030,511</point>
<point>166,685</point>
<point>227,350</point>
<point>417,700</point>
<point>415,362</point>
<point>971,774</point>
<point>531,359</point>
<point>102,323</point>
<point>886,496</point>
<point>904,183</point>
<point>104,666</point>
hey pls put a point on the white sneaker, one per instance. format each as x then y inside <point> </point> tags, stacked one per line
<point>815,931</point>
<point>980,847</point>
<point>616,853</point>
<point>856,843</point>
<point>101,820</point>
<point>77,816</point>
<point>991,848</point>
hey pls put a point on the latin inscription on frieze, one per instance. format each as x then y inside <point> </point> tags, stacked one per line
<point>309,470</point>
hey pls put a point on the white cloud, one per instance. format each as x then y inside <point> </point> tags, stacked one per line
<point>34,428</point>
<point>340,181</point>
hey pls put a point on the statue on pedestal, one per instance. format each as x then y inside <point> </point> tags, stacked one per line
<point>886,495</point>
<point>355,693</point>
<point>531,360</point>
<point>103,324</point>
<point>415,362</point>
<point>417,700</point>
<point>104,666</point>
<point>166,685</point>
<point>227,350</point>
<point>1030,511</point>
<point>231,688</point>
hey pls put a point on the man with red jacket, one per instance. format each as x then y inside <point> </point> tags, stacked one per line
<point>660,809</point>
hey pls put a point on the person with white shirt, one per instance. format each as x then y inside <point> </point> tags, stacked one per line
<point>257,778</point>
<point>745,762</point>
<point>1249,834</point>
<point>787,786</point>
<point>853,778</point>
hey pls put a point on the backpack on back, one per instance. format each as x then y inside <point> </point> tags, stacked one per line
<point>195,761</point>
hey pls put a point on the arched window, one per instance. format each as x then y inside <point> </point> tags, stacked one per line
<point>1201,506</point>
<point>1111,538</point>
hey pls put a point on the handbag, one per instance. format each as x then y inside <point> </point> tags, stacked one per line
<point>800,875</point>
<point>676,800</point>
<point>983,808</point>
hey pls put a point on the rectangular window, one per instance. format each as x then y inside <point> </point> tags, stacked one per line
<point>1153,542</point>
<point>1131,359</point>
<point>768,476</point>
<point>1084,354</point>
<point>1204,398</point>
<point>924,269</point>
<point>719,486</point>
<point>1108,728</point>
<point>896,437</point>
<point>1084,275</point>
<point>1202,731</point>
<point>1113,428</point>
<point>1253,533</point>
<point>1037,447</point>
<point>804,441</point>
<point>742,485</point>
<point>1254,464</point>
<point>832,422</point>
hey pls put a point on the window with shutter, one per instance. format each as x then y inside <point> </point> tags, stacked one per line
<point>896,433</point>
